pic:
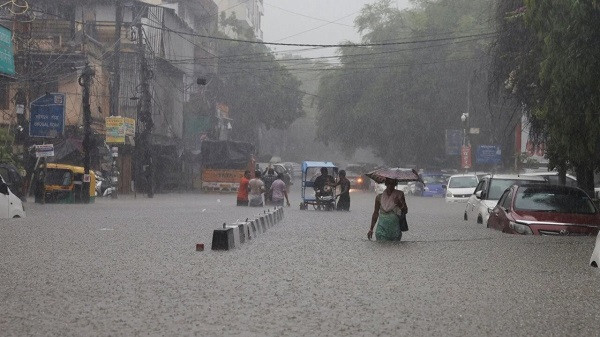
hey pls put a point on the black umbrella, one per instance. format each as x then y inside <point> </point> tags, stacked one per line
<point>399,174</point>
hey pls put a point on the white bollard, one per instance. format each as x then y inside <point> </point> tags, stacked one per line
<point>236,235</point>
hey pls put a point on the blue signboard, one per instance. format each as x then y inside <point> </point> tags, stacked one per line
<point>7,58</point>
<point>47,116</point>
<point>454,139</point>
<point>488,154</point>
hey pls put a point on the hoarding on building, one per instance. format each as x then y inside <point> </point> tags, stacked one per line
<point>454,140</point>
<point>118,129</point>
<point>7,56</point>
<point>489,155</point>
<point>47,116</point>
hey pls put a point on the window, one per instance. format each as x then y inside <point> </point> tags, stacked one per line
<point>479,186</point>
<point>505,203</point>
<point>553,199</point>
<point>463,182</point>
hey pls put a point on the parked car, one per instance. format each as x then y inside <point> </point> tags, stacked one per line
<point>552,178</point>
<point>595,259</point>
<point>460,187</point>
<point>433,185</point>
<point>540,209</point>
<point>10,205</point>
<point>13,179</point>
<point>488,192</point>
<point>356,175</point>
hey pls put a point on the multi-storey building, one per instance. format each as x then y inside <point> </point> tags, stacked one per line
<point>248,12</point>
<point>53,44</point>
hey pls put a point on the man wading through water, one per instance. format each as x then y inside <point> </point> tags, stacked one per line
<point>257,188</point>
<point>242,196</point>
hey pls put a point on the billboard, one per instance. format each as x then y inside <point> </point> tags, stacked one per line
<point>465,157</point>
<point>489,155</point>
<point>7,56</point>
<point>118,128</point>
<point>454,140</point>
<point>47,116</point>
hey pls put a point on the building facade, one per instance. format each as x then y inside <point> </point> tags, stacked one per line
<point>248,12</point>
<point>53,44</point>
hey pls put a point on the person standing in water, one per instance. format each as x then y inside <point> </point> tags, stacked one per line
<point>257,188</point>
<point>388,206</point>
<point>242,196</point>
<point>343,203</point>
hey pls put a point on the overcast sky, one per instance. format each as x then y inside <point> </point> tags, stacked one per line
<point>310,24</point>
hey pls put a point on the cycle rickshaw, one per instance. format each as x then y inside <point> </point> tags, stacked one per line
<point>324,200</point>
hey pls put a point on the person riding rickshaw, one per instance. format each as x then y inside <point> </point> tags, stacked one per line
<point>322,184</point>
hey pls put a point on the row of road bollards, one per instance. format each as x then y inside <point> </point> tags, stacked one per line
<point>238,233</point>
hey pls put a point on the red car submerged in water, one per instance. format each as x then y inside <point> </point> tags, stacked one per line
<point>541,209</point>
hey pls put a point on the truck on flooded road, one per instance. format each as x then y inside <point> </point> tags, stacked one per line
<point>223,164</point>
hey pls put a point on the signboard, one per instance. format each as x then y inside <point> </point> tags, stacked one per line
<point>43,151</point>
<point>222,176</point>
<point>454,140</point>
<point>465,157</point>
<point>118,128</point>
<point>47,116</point>
<point>489,154</point>
<point>87,178</point>
<point>7,56</point>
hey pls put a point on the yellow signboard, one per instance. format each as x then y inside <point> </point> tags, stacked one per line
<point>222,176</point>
<point>118,128</point>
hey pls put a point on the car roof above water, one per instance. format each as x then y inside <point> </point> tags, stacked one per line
<point>515,177</point>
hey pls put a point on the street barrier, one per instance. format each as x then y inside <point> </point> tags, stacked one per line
<point>234,235</point>
<point>223,239</point>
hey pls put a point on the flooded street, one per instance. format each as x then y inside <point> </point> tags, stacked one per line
<point>129,267</point>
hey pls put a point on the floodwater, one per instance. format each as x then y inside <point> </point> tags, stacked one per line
<point>129,267</point>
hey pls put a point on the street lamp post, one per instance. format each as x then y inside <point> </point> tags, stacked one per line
<point>465,119</point>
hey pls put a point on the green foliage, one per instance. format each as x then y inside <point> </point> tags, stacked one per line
<point>257,88</point>
<point>399,99</point>
<point>549,57</point>
<point>6,150</point>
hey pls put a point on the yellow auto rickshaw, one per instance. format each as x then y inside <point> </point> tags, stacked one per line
<point>63,184</point>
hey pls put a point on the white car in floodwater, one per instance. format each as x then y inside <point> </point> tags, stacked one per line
<point>595,259</point>
<point>10,205</point>
<point>460,187</point>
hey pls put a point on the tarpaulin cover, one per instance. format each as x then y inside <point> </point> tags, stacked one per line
<point>226,154</point>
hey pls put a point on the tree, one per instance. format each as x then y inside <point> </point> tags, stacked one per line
<point>399,99</point>
<point>258,90</point>
<point>546,58</point>
<point>6,150</point>
<point>568,32</point>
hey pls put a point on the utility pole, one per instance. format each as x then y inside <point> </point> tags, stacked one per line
<point>144,114</point>
<point>116,83</point>
<point>85,81</point>
<point>115,90</point>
